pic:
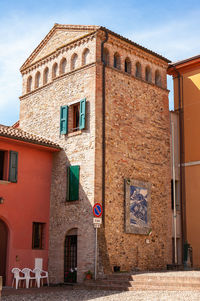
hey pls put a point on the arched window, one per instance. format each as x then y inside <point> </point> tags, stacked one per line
<point>71,255</point>
<point>148,74</point>
<point>63,64</point>
<point>74,60</point>
<point>29,84</point>
<point>158,79</point>
<point>54,70</point>
<point>106,56</point>
<point>127,65</point>
<point>138,70</point>
<point>37,80</point>
<point>45,76</point>
<point>116,62</point>
<point>85,57</point>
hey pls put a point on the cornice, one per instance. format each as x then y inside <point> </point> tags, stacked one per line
<point>56,79</point>
<point>81,40</point>
<point>113,38</point>
<point>115,41</point>
<point>135,44</point>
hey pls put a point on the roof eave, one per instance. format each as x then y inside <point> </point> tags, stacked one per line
<point>135,44</point>
<point>53,147</point>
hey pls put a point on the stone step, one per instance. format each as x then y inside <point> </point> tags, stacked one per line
<point>163,288</point>
<point>144,282</point>
<point>167,284</point>
<point>142,286</point>
<point>194,279</point>
<point>149,282</point>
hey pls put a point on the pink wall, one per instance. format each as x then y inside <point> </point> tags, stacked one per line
<point>25,202</point>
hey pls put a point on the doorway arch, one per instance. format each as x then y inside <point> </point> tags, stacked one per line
<point>3,249</point>
<point>70,256</point>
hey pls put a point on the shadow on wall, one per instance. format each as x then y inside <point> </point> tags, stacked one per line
<point>72,234</point>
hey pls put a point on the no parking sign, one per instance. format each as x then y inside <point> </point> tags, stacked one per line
<point>97,210</point>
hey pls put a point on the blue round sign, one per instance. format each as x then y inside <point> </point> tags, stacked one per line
<point>97,210</point>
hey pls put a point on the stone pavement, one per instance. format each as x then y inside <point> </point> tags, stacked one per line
<point>66,294</point>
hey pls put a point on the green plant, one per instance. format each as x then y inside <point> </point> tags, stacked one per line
<point>88,275</point>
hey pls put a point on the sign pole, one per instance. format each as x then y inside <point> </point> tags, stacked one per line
<point>97,220</point>
<point>95,266</point>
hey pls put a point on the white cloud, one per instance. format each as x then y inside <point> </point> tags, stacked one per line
<point>176,40</point>
<point>21,33</point>
<point>19,36</point>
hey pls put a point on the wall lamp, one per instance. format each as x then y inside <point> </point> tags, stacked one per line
<point>1,200</point>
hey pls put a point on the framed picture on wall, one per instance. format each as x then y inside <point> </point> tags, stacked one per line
<point>137,207</point>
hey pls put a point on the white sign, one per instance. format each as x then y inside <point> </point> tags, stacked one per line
<point>97,225</point>
<point>97,220</point>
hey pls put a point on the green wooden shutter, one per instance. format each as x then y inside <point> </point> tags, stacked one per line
<point>74,183</point>
<point>63,120</point>
<point>67,184</point>
<point>82,114</point>
<point>13,167</point>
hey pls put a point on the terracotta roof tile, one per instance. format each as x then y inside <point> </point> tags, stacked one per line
<point>18,134</point>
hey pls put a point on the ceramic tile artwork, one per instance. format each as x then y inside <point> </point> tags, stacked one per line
<point>138,206</point>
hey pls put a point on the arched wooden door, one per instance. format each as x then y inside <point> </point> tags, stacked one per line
<point>3,249</point>
<point>70,259</point>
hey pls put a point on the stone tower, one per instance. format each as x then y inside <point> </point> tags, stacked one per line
<point>104,99</point>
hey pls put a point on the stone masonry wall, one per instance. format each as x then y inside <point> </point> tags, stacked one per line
<point>137,147</point>
<point>40,114</point>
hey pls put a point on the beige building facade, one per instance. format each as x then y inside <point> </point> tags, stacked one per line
<point>177,249</point>
<point>186,79</point>
<point>121,135</point>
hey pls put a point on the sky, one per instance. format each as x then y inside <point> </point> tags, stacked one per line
<point>170,28</point>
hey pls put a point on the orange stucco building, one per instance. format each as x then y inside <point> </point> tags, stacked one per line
<point>25,181</point>
<point>186,76</point>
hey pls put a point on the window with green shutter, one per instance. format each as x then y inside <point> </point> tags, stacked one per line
<point>63,120</point>
<point>13,166</point>
<point>72,117</point>
<point>82,114</point>
<point>73,183</point>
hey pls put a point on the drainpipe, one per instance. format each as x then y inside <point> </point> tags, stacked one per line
<point>174,194</point>
<point>181,154</point>
<point>103,126</point>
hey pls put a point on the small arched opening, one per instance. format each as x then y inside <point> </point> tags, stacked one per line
<point>29,84</point>
<point>74,61</point>
<point>116,63</point>
<point>63,64</point>
<point>158,79</point>
<point>54,70</point>
<point>45,76</point>
<point>37,80</point>
<point>148,74</point>
<point>85,57</point>
<point>127,65</point>
<point>70,256</point>
<point>138,70</point>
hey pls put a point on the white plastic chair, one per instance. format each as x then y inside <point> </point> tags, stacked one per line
<point>40,275</point>
<point>28,277</point>
<point>16,277</point>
